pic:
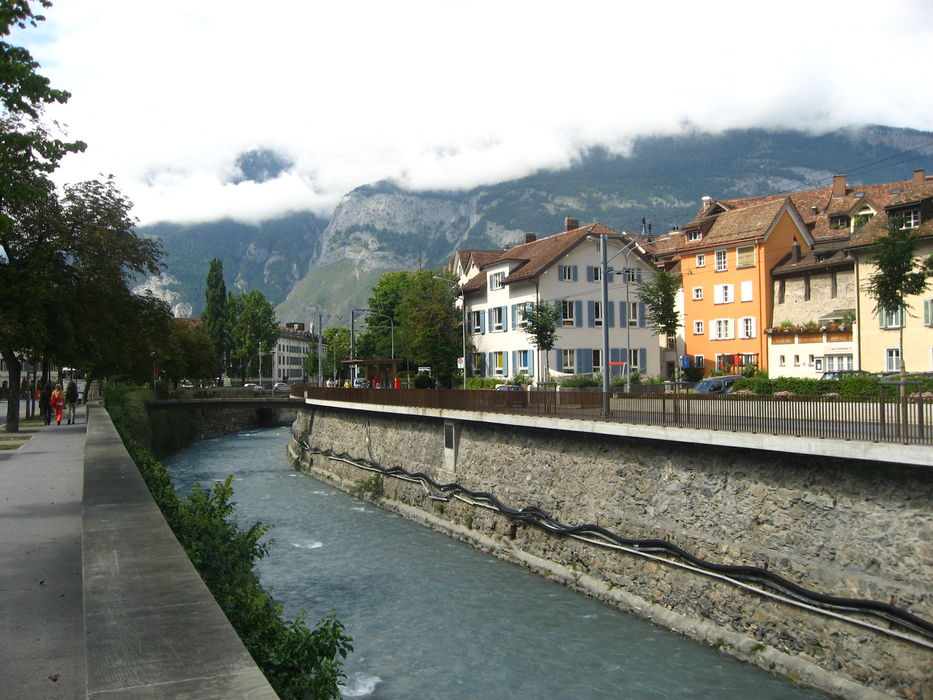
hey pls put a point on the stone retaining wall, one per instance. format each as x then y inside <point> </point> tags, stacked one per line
<point>842,527</point>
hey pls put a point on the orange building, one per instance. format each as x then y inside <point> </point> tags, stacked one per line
<point>726,257</point>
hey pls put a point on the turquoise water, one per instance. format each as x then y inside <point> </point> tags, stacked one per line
<point>434,618</point>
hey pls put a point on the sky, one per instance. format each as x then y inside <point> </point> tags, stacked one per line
<point>442,95</point>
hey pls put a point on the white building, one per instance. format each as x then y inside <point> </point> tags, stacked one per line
<point>290,351</point>
<point>563,269</point>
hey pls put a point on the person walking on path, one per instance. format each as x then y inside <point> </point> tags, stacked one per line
<point>71,398</point>
<point>58,402</point>
<point>45,403</point>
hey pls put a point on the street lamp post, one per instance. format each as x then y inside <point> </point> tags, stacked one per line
<point>604,289</point>
<point>320,345</point>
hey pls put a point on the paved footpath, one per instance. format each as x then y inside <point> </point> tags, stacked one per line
<point>42,646</point>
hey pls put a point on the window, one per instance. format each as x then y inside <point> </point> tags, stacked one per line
<point>694,235</point>
<point>631,274</point>
<point>747,327</point>
<point>910,218</point>
<point>568,358</point>
<point>598,314</point>
<point>597,359</point>
<point>672,342</point>
<point>892,359</point>
<point>498,363</point>
<point>697,293</point>
<point>839,223</point>
<point>522,308</point>
<point>497,318</point>
<point>723,293</point>
<point>698,327</point>
<point>721,262</point>
<point>891,319</point>
<point>523,360</point>
<point>745,256</point>
<point>747,286</point>
<point>633,359</point>
<point>476,318</point>
<point>597,274</point>
<point>928,312</point>
<point>701,260</point>
<point>796,360</point>
<point>567,273</point>
<point>806,288</point>
<point>495,280</point>
<point>782,361</point>
<point>839,363</point>
<point>633,313</point>
<point>722,329</point>
<point>567,313</point>
<point>699,361</point>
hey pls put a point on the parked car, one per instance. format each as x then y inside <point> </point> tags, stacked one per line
<point>839,374</point>
<point>510,387</point>
<point>254,387</point>
<point>716,385</point>
<point>281,386</point>
<point>361,383</point>
<point>186,384</point>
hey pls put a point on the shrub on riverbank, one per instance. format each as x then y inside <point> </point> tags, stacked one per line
<point>299,662</point>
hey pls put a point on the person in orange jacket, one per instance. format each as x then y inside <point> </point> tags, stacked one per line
<point>58,402</point>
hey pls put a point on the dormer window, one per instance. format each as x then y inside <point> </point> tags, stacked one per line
<point>909,218</point>
<point>495,280</point>
<point>694,235</point>
<point>839,223</point>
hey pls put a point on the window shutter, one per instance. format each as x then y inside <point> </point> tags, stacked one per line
<point>482,321</point>
<point>881,316</point>
<point>573,271</point>
<point>489,282</point>
<point>643,360</point>
<point>641,315</point>
<point>558,360</point>
<point>505,318</point>
<point>615,355</point>
<point>591,313</point>
<point>610,316</point>
<point>928,312</point>
<point>623,313</point>
<point>560,273</point>
<point>747,290</point>
<point>638,274</point>
<point>584,361</point>
<point>717,294</point>
<point>754,329</point>
<point>611,276</point>
<point>505,364</point>
<point>590,277</point>
<point>578,313</point>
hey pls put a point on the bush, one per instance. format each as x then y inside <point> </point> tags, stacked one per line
<point>580,381</point>
<point>423,381</point>
<point>298,662</point>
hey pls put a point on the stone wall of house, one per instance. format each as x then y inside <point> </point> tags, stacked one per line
<point>797,309</point>
<point>845,528</point>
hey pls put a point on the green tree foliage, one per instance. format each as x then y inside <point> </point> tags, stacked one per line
<point>299,662</point>
<point>659,295</point>
<point>253,332</point>
<point>541,319</point>
<point>336,350</point>
<point>214,322</point>
<point>899,274</point>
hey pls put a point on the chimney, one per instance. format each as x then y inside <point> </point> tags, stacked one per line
<point>795,250</point>
<point>570,224</point>
<point>919,175</point>
<point>707,200</point>
<point>839,185</point>
<point>530,237</point>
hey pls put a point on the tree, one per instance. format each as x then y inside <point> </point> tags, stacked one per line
<point>66,260</point>
<point>659,295</point>
<point>253,331</point>
<point>214,322</point>
<point>337,344</point>
<point>899,273</point>
<point>541,319</point>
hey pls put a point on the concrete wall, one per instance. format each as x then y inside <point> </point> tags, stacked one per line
<point>842,527</point>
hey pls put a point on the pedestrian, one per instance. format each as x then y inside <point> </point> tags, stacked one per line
<point>45,403</point>
<point>71,398</point>
<point>346,384</point>
<point>58,403</point>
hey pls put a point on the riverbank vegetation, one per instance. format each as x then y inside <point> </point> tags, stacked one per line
<point>299,662</point>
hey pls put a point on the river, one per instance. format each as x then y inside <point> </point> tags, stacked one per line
<point>434,618</point>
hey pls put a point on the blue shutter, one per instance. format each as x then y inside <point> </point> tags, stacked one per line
<point>591,313</point>
<point>491,365</point>
<point>505,364</point>
<point>559,359</point>
<point>489,282</point>
<point>515,362</point>
<point>560,273</point>
<point>641,314</point>
<point>560,312</point>
<point>505,317</point>
<point>514,316</point>
<point>589,274</point>
<point>531,362</point>
<point>623,314</point>
<point>643,360</point>
<point>574,271</point>
<point>611,276</point>
<point>482,320</point>
<point>638,274</point>
<point>615,355</point>
<point>610,316</point>
<point>624,353</point>
<point>578,313</point>
<point>584,361</point>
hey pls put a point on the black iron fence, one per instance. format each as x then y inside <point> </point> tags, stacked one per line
<point>869,419</point>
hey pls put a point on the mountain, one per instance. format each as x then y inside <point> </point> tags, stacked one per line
<point>308,266</point>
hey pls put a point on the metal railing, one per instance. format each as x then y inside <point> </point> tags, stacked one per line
<point>867,419</point>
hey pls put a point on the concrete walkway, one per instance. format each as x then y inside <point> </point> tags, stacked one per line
<point>97,598</point>
<point>42,648</point>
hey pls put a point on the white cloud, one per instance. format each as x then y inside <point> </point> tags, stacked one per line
<point>438,95</point>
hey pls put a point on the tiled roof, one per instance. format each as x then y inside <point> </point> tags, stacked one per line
<point>738,224</point>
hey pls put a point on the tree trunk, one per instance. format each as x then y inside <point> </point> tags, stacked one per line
<point>16,373</point>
